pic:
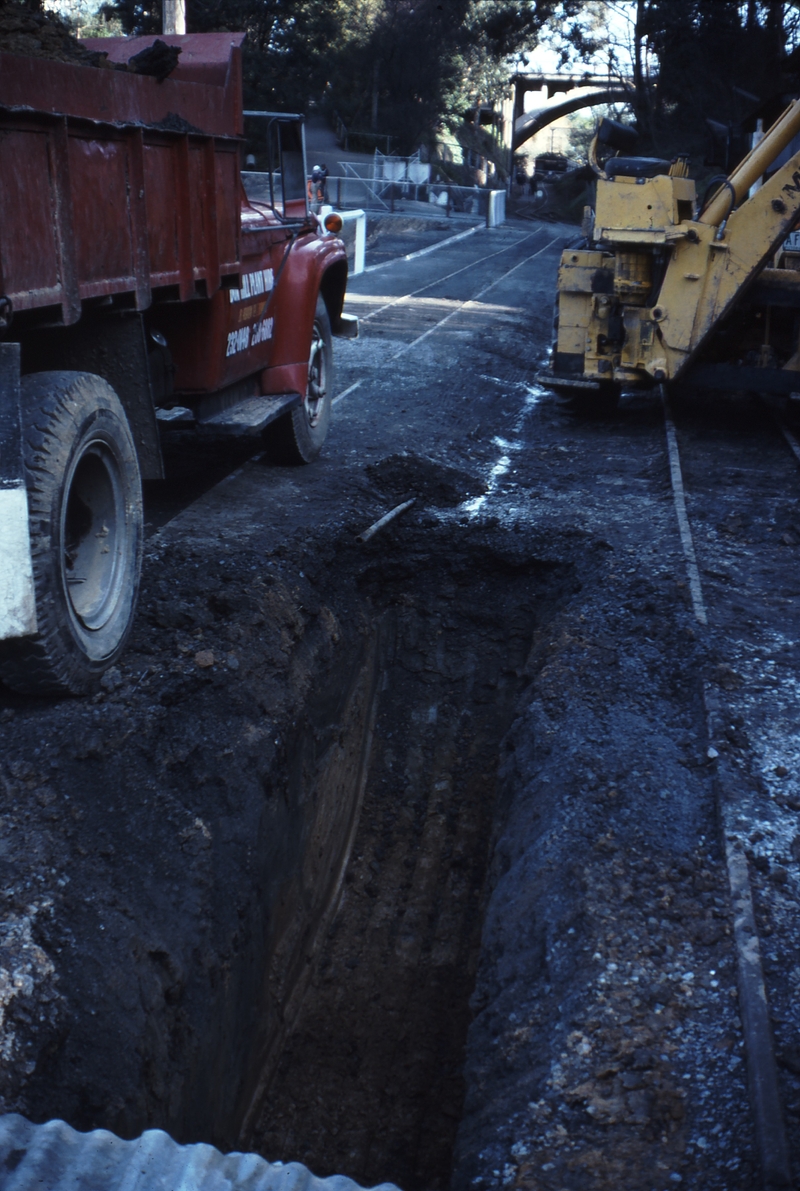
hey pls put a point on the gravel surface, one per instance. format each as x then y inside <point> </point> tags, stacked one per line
<point>606,995</point>
<point>404,859</point>
<point>392,236</point>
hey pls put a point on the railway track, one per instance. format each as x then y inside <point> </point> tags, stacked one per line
<point>736,592</point>
<point>403,316</point>
<point>704,1001</point>
<point>701,503</point>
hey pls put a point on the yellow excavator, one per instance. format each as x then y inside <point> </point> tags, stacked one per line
<point>665,288</point>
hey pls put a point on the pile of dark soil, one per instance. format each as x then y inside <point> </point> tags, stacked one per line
<point>32,33</point>
<point>403,476</point>
<point>143,833</point>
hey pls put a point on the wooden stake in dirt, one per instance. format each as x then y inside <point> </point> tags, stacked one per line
<point>390,516</point>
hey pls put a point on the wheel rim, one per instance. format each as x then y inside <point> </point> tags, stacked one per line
<point>92,533</point>
<point>317,377</point>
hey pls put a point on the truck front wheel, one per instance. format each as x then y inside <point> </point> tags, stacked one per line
<point>298,436</point>
<point>86,528</point>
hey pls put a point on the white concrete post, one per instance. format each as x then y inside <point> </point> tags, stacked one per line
<point>496,208</point>
<point>174,16</point>
<point>354,234</point>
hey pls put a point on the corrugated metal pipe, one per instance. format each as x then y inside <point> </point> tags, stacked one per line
<point>54,1157</point>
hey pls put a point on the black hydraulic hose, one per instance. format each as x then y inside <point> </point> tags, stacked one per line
<point>282,265</point>
<point>722,179</point>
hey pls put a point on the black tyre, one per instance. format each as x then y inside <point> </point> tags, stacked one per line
<point>86,527</point>
<point>298,436</point>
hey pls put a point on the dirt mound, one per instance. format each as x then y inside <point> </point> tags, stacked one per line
<point>404,476</point>
<point>558,198</point>
<point>35,34</point>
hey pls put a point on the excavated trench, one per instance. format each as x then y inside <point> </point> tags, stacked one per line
<point>364,1075</point>
<point>268,840</point>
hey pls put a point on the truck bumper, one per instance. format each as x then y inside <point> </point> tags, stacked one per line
<point>17,596</point>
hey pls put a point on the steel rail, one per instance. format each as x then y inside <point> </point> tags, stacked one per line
<point>762,1069</point>
<point>470,301</point>
<point>438,281</point>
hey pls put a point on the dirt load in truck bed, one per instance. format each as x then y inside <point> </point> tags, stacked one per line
<point>34,34</point>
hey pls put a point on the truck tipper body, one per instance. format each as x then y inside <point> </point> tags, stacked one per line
<point>143,279</point>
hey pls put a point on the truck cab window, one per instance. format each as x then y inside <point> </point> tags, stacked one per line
<point>275,163</point>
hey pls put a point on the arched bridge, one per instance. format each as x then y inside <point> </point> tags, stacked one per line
<point>569,94</point>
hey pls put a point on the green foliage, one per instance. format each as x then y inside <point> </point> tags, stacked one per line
<point>290,49</point>
<point>90,22</point>
<point>583,125</point>
<point>405,67</point>
<point>494,36</point>
<point>688,60</point>
<point>408,68</point>
<point>708,54</point>
<point>397,67</point>
<point>135,16</point>
<point>481,142</point>
<point>395,72</point>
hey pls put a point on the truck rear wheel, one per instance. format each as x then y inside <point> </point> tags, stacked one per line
<point>298,436</point>
<point>86,527</point>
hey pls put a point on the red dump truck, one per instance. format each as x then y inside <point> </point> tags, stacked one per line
<point>143,278</point>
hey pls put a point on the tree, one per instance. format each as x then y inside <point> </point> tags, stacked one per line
<point>395,74</point>
<point>396,66</point>
<point>687,60</point>
<point>290,48</point>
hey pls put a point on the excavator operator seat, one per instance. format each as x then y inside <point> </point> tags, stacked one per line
<point>623,138</point>
<point>617,136</point>
<point>636,167</point>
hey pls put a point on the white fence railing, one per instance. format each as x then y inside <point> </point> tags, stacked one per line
<point>410,197</point>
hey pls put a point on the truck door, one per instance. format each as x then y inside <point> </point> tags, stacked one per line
<point>274,180</point>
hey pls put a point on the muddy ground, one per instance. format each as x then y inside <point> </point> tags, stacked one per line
<point>403,858</point>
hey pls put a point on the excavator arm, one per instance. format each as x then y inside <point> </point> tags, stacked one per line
<point>709,272</point>
<point>642,303</point>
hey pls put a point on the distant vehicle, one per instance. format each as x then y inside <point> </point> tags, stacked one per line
<point>551,163</point>
<point>142,280</point>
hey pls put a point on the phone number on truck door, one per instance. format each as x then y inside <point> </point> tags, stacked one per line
<point>246,337</point>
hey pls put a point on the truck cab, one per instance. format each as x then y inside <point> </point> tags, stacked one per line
<point>145,279</point>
